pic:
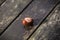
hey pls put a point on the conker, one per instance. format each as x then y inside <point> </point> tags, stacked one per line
<point>28,21</point>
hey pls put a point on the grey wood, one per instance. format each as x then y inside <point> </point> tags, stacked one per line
<point>38,10</point>
<point>9,10</point>
<point>2,1</point>
<point>50,28</point>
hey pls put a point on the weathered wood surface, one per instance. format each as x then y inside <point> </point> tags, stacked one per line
<point>50,28</point>
<point>9,10</point>
<point>38,10</point>
<point>2,1</point>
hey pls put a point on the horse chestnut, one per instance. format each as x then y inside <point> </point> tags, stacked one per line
<point>27,21</point>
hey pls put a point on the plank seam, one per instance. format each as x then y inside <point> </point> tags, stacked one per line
<point>2,2</point>
<point>43,20</point>
<point>16,17</point>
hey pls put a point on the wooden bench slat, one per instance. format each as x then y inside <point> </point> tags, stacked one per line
<point>38,10</point>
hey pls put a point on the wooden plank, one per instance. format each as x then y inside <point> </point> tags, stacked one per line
<point>2,1</point>
<point>38,10</point>
<point>50,28</point>
<point>9,10</point>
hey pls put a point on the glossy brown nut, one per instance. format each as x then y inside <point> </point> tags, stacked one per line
<point>27,21</point>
